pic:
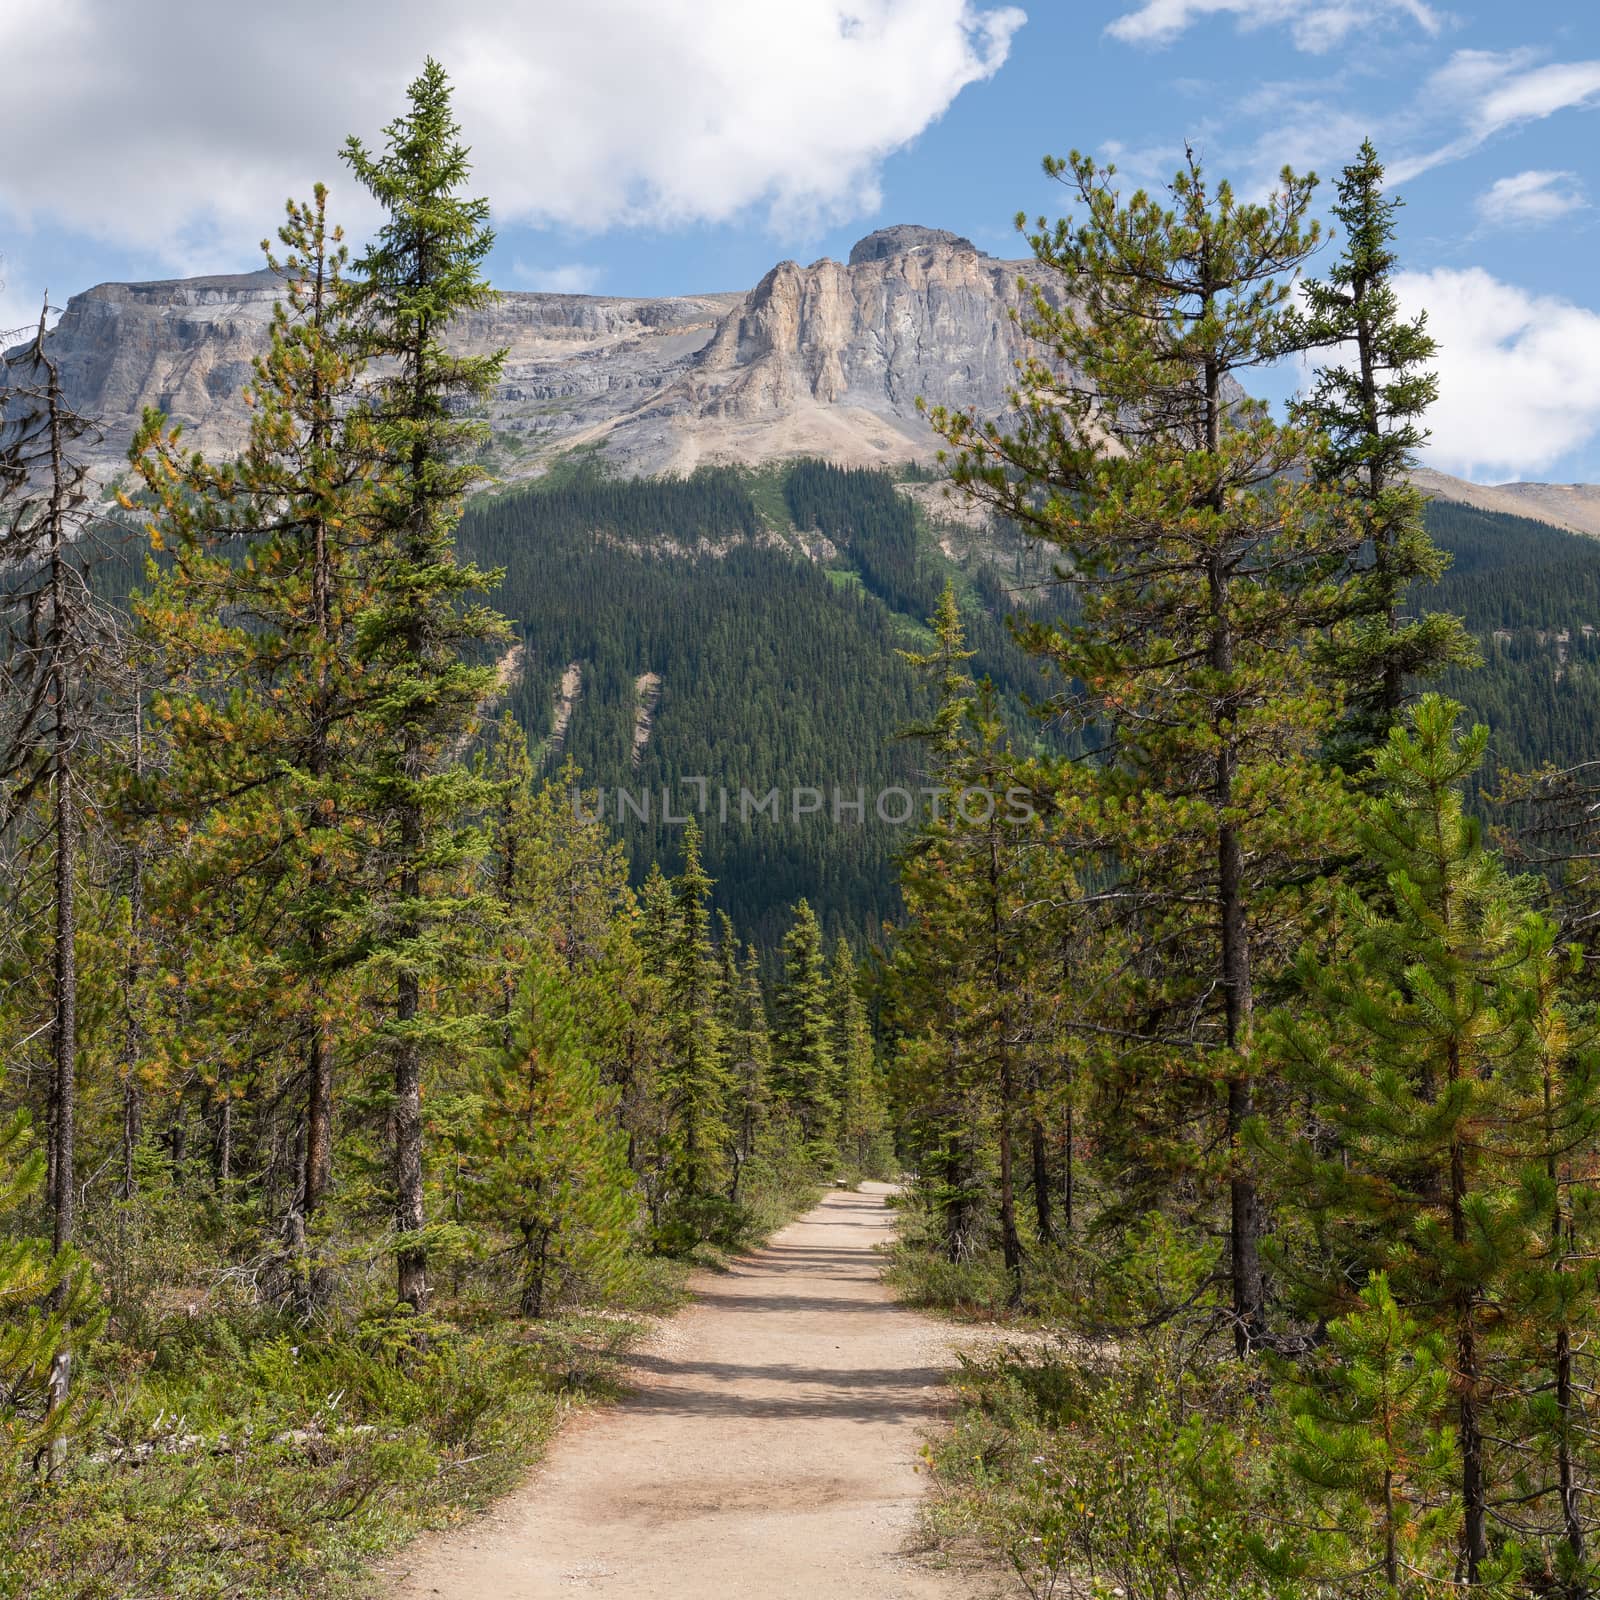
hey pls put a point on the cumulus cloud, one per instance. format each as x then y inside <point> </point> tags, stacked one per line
<point>1529,198</point>
<point>1314,25</point>
<point>1519,373</point>
<point>181,125</point>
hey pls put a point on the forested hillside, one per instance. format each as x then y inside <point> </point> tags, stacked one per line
<point>781,671</point>
<point>771,670</point>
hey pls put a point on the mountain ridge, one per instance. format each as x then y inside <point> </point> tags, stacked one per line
<point>824,360</point>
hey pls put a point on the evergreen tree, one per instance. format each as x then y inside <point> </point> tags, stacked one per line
<point>692,1079</point>
<point>46,1295</point>
<point>1368,414</point>
<point>862,1126</point>
<point>1423,1075</point>
<point>418,638</point>
<point>1370,1443</point>
<point>805,1072</point>
<point>747,1045</point>
<point>553,1167</point>
<point>56,651</point>
<point>265,713</point>
<point>1204,567</point>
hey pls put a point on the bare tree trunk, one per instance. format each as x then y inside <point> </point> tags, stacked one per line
<point>64,974</point>
<point>1244,1220</point>
<point>132,976</point>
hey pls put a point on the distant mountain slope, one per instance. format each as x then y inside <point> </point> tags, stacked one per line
<point>1572,506</point>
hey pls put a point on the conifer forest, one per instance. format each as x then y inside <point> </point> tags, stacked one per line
<point>383,1051</point>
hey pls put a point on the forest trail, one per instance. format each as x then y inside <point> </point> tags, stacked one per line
<point>769,1450</point>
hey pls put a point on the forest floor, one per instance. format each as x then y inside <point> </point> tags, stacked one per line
<point>770,1448</point>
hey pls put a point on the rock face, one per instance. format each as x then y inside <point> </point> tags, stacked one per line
<point>904,236</point>
<point>821,360</point>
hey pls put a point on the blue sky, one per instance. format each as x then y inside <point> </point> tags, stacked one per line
<point>666,146</point>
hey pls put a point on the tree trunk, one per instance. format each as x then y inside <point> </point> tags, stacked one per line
<point>410,1217</point>
<point>1068,1173</point>
<point>1041,1182</point>
<point>132,976</point>
<point>64,1043</point>
<point>64,974</point>
<point>1474,1494</point>
<point>319,1114</point>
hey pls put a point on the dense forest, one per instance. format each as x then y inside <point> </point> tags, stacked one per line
<point>367,1076</point>
<point>771,671</point>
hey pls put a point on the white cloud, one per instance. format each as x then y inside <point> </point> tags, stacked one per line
<point>181,127</point>
<point>1496,90</point>
<point>573,278</point>
<point>1519,373</point>
<point>1531,198</point>
<point>1315,25</point>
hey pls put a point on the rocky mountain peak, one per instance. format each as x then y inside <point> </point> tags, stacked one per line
<point>901,237</point>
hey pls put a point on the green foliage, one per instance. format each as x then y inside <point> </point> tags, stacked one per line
<point>805,1070</point>
<point>1368,415</point>
<point>44,1295</point>
<point>1130,1480</point>
<point>1371,1446</point>
<point>554,1172</point>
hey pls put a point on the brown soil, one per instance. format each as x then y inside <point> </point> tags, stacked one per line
<point>770,1449</point>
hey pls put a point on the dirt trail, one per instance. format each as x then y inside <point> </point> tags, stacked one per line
<point>769,1451</point>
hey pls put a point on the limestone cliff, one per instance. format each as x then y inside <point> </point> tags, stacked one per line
<point>827,359</point>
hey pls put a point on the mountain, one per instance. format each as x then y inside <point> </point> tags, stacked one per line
<point>824,360</point>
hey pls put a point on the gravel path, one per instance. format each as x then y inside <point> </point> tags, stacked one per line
<point>769,1450</point>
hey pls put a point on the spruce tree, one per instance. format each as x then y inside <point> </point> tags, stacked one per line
<point>419,638</point>
<point>805,1071</point>
<point>692,1079</point>
<point>862,1128</point>
<point>747,1046</point>
<point>1367,411</point>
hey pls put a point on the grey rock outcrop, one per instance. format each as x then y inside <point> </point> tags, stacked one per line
<point>821,360</point>
<point>901,237</point>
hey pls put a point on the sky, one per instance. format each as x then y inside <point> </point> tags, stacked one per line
<point>642,147</point>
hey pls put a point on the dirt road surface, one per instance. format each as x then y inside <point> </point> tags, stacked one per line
<point>769,1452</point>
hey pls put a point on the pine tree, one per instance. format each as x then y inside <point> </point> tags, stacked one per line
<point>805,1072</point>
<point>265,714</point>
<point>418,638</point>
<point>1418,1062</point>
<point>47,1298</point>
<point>1368,415</point>
<point>553,1170</point>
<point>1371,1444</point>
<point>1204,567</point>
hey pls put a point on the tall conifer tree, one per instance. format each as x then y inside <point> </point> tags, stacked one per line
<point>1368,409</point>
<point>1204,567</point>
<point>419,638</point>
